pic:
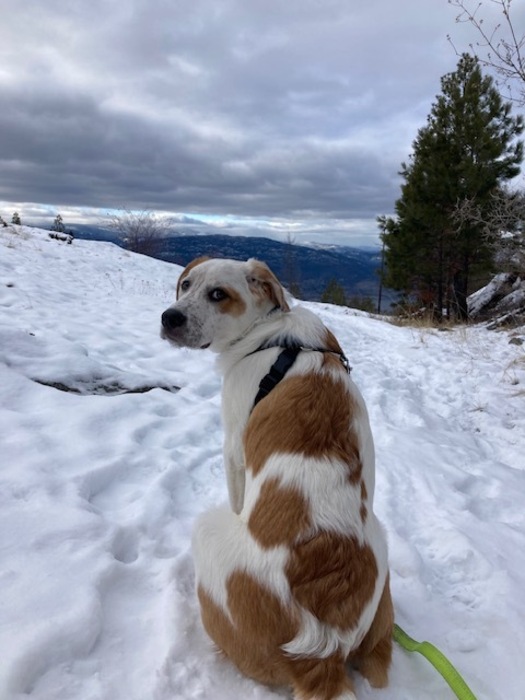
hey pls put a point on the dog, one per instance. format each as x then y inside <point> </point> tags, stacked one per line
<point>292,577</point>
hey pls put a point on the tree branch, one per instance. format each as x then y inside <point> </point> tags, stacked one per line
<point>501,48</point>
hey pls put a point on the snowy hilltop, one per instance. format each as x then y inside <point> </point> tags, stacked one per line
<point>111,447</point>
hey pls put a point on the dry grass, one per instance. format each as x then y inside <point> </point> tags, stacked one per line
<point>12,234</point>
<point>513,370</point>
<point>426,321</point>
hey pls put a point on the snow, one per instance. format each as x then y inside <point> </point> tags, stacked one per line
<point>99,489</point>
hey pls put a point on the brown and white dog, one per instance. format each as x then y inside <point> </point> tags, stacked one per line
<point>293,579</point>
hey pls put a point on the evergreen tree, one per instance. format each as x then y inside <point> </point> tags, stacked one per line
<point>358,301</point>
<point>16,219</point>
<point>465,151</point>
<point>334,293</point>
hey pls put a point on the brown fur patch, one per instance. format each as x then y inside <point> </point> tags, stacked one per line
<point>374,655</point>
<point>308,415</point>
<point>265,285</point>
<point>280,514</point>
<point>234,304</point>
<point>322,679</point>
<point>333,577</point>
<point>188,268</point>
<point>364,497</point>
<point>253,641</point>
<point>331,342</point>
<point>261,625</point>
<point>331,362</point>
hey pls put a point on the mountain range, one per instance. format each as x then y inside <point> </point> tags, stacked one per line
<point>304,269</point>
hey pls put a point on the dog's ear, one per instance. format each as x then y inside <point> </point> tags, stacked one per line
<point>189,267</point>
<point>264,284</point>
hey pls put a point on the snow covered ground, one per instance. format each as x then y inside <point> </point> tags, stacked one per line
<point>98,490</point>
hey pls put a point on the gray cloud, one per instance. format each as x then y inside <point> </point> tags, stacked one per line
<point>298,112</point>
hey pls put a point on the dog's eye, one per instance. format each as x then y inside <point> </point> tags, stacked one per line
<point>185,285</point>
<point>217,294</point>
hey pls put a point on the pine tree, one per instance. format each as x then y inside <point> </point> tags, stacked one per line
<point>465,151</point>
<point>16,219</point>
<point>334,293</point>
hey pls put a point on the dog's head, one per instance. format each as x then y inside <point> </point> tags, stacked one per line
<point>218,301</point>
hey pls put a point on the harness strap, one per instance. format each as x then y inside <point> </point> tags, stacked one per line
<point>277,372</point>
<point>283,363</point>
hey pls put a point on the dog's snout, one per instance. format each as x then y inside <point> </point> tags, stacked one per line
<point>172,318</point>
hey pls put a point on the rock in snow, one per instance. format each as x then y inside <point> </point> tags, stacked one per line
<point>502,300</point>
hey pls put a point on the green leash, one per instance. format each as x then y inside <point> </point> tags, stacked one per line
<point>440,663</point>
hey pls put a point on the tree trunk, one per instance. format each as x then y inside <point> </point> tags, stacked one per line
<point>461,290</point>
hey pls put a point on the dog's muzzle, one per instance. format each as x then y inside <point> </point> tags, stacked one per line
<point>172,319</point>
<point>175,329</point>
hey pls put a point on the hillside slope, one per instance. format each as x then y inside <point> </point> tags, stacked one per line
<point>99,488</point>
<point>309,268</point>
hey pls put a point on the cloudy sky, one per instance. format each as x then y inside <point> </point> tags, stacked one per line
<point>277,117</point>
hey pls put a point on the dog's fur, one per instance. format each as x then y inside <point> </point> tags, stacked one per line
<point>293,579</point>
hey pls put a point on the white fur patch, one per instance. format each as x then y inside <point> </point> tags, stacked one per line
<point>334,501</point>
<point>317,639</point>
<point>222,545</point>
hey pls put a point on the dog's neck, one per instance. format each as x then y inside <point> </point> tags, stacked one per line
<point>257,322</point>
<point>277,328</point>
<point>250,339</point>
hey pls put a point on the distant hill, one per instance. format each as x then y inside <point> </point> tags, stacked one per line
<point>307,268</point>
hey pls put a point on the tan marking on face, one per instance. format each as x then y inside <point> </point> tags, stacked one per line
<point>374,655</point>
<point>280,514</point>
<point>309,415</point>
<point>265,285</point>
<point>333,577</point>
<point>188,269</point>
<point>261,625</point>
<point>234,304</point>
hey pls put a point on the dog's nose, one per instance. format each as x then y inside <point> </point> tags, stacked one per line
<point>172,318</point>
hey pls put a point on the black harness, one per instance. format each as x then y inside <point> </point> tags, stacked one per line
<point>283,363</point>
